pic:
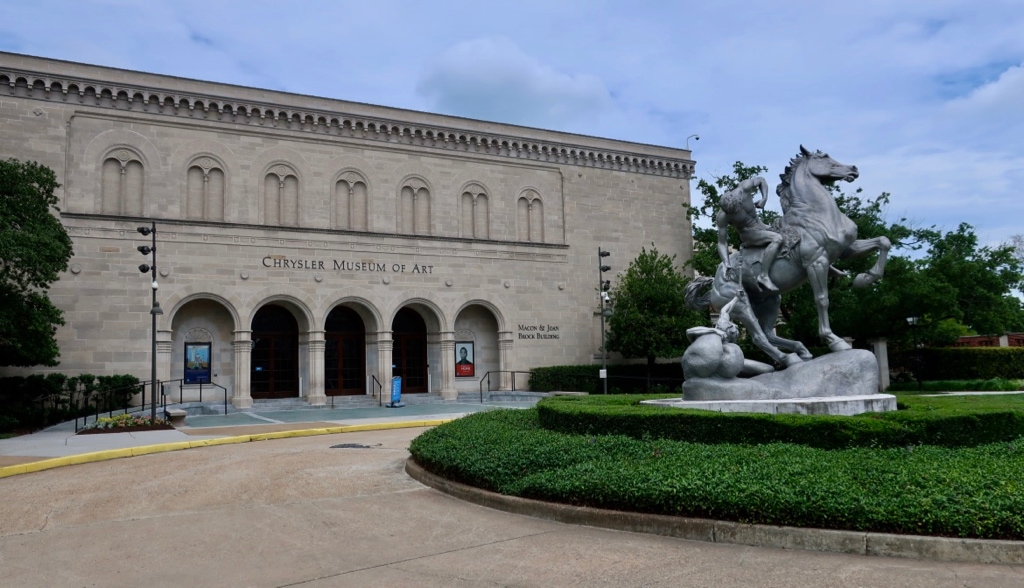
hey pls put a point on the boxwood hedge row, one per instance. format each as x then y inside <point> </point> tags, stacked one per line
<point>959,492</point>
<point>955,421</point>
<point>960,363</point>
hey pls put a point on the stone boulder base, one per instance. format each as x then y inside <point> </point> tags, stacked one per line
<point>843,373</point>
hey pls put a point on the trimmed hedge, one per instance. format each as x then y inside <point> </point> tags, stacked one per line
<point>955,421</point>
<point>933,386</point>
<point>964,363</point>
<point>622,379</point>
<point>964,492</point>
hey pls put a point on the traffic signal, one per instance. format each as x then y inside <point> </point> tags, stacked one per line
<point>605,285</point>
<point>147,249</point>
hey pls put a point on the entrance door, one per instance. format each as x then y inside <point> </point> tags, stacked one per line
<point>345,353</point>
<point>410,350</point>
<point>275,354</point>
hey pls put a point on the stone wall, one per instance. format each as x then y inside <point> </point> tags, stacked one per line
<point>264,198</point>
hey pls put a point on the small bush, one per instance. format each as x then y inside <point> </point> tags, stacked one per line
<point>962,492</point>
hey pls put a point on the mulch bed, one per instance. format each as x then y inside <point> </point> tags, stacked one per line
<point>101,431</point>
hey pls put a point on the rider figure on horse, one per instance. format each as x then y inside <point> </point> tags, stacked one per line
<point>739,210</point>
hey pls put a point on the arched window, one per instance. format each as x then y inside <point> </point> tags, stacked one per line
<point>415,208</point>
<point>475,212</point>
<point>350,206</point>
<point>205,194</point>
<point>530,217</point>
<point>281,196</point>
<point>122,184</point>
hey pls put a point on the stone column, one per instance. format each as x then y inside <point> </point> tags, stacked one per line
<point>447,341</point>
<point>315,389</point>
<point>504,349</point>
<point>881,348</point>
<point>243,354</point>
<point>385,345</point>
<point>1004,340</point>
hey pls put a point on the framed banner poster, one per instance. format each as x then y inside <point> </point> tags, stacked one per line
<point>197,363</point>
<point>464,359</point>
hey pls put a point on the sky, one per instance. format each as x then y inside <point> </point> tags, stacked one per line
<point>926,97</point>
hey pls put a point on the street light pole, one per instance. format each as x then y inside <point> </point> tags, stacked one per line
<point>603,286</point>
<point>154,311</point>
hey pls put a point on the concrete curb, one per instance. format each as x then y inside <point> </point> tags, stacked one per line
<point>856,542</point>
<point>108,454</point>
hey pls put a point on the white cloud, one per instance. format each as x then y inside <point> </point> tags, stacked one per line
<point>493,79</point>
<point>1003,97</point>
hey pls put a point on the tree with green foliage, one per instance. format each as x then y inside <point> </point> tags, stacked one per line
<point>34,250</point>
<point>650,317</point>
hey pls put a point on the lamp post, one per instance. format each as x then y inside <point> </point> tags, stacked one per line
<point>154,311</point>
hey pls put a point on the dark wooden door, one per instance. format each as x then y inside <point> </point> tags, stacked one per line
<point>275,354</point>
<point>345,353</point>
<point>409,354</point>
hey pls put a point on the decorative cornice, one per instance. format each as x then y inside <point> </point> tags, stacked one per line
<point>155,101</point>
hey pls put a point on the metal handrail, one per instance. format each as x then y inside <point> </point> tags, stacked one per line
<point>84,397</point>
<point>487,377</point>
<point>380,390</point>
<point>181,392</point>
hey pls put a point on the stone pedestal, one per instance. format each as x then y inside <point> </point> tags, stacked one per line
<point>844,373</point>
<point>835,405</point>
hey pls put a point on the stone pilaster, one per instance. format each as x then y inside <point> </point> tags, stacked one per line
<point>315,392</point>
<point>504,349</point>
<point>447,343</point>
<point>385,345</point>
<point>243,355</point>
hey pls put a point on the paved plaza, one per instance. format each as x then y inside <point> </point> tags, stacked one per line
<point>339,510</point>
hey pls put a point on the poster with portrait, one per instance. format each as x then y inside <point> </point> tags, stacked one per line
<point>464,359</point>
<point>197,363</point>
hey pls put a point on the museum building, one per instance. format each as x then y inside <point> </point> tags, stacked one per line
<point>310,247</point>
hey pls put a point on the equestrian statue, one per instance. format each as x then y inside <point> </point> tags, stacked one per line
<point>811,235</point>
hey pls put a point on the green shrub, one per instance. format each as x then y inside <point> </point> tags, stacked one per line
<point>962,492</point>
<point>37,401</point>
<point>951,422</point>
<point>992,385</point>
<point>963,363</point>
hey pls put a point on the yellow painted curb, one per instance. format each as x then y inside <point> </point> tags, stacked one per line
<point>81,458</point>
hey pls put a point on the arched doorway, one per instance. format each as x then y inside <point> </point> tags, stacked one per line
<point>477,327</point>
<point>275,354</point>
<point>410,350</point>
<point>344,353</point>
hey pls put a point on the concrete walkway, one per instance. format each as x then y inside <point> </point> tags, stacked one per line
<point>62,441</point>
<point>339,510</point>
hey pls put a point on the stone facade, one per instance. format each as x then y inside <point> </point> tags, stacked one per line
<point>295,234</point>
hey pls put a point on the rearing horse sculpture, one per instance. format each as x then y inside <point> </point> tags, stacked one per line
<point>817,234</point>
